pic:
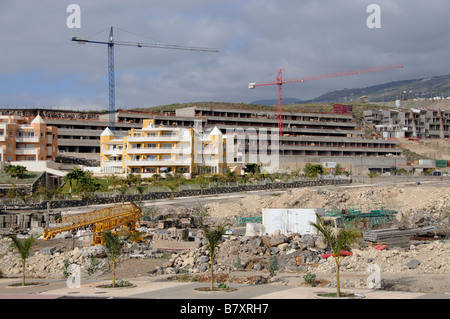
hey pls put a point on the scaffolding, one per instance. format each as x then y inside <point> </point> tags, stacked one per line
<point>117,217</point>
<point>368,216</point>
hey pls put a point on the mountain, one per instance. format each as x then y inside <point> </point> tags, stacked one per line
<point>417,88</point>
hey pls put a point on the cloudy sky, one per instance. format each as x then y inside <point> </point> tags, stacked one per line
<point>41,67</point>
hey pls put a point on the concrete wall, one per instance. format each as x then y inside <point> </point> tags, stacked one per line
<point>355,164</point>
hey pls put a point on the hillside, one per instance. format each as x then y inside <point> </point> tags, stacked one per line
<point>436,86</point>
<point>413,150</point>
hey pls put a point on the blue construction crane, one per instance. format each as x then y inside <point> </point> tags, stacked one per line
<point>111,78</point>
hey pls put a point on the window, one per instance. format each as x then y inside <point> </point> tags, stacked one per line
<point>167,146</point>
<point>152,145</point>
<point>167,157</point>
<point>151,157</point>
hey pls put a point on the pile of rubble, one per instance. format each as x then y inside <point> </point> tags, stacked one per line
<point>50,262</point>
<point>411,201</point>
<point>297,253</point>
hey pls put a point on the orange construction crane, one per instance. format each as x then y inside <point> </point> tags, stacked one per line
<point>279,83</point>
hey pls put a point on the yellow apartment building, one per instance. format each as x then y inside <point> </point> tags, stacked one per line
<point>160,150</point>
<point>22,140</point>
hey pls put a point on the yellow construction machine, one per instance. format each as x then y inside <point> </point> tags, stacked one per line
<point>116,218</point>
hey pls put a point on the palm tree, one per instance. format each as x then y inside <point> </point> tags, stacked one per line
<point>87,186</point>
<point>24,248</point>
<point>113,245</point>
<point>348,174</point>
<point>173,186</point>
<point>214,237</point>
<point>48,194</point>
<point>338,239</point>
<point>337,171</point>
<point>15,170</point>
<point>372,175</point>
<point>74,175</point>
<point>272,178</point>
<point>203,182</point>
<point>216,179</point>
<point>124,185</point>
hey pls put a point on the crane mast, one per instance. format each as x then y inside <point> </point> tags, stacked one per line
<point>279,83</point>
<point>111,75</point>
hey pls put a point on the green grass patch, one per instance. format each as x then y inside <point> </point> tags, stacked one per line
<point>28,178</point>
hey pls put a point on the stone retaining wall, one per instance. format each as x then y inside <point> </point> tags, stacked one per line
<point>167,195</point>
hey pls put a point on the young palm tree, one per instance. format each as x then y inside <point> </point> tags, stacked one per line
<point>113,246</point>
<point>337,171</point>
<point>338,240</point>
<point>214,237</point>
<point>48,194</point>
<point>24,248</point>
<point>202,182</point>
<point>173,186</point>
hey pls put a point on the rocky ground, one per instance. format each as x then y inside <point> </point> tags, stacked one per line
<point>424,265</point>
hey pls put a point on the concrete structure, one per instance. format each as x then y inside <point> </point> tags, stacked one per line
<point>22,140</point>
<point>290,220</point>
<point>413,123</point>
<point>156,149</point>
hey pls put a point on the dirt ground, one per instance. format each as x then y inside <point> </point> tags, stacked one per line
<point>411,198</point>
<point>433,148</point>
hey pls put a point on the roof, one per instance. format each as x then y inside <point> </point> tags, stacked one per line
<point>215,131</point>
<point>38,120</point>
<point>107,132</point>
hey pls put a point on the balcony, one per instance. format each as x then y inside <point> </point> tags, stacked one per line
<point>162,150</point>
<point>112,164</point>
<point>24,151</point>
<point>112,152</point>
<point>150,139</point>
<point>141,163</point>
<point>35,139</point>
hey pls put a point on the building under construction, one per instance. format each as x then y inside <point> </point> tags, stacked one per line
<point>307,137</point>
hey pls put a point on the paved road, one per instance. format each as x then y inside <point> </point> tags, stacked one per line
<point>150,288</point>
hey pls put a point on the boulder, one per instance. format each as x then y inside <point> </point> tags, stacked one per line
<point>47,250</point>
<point>204,259</point>
<point>413,264</point>
<point>277,240</point>
<point>97,251</point>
